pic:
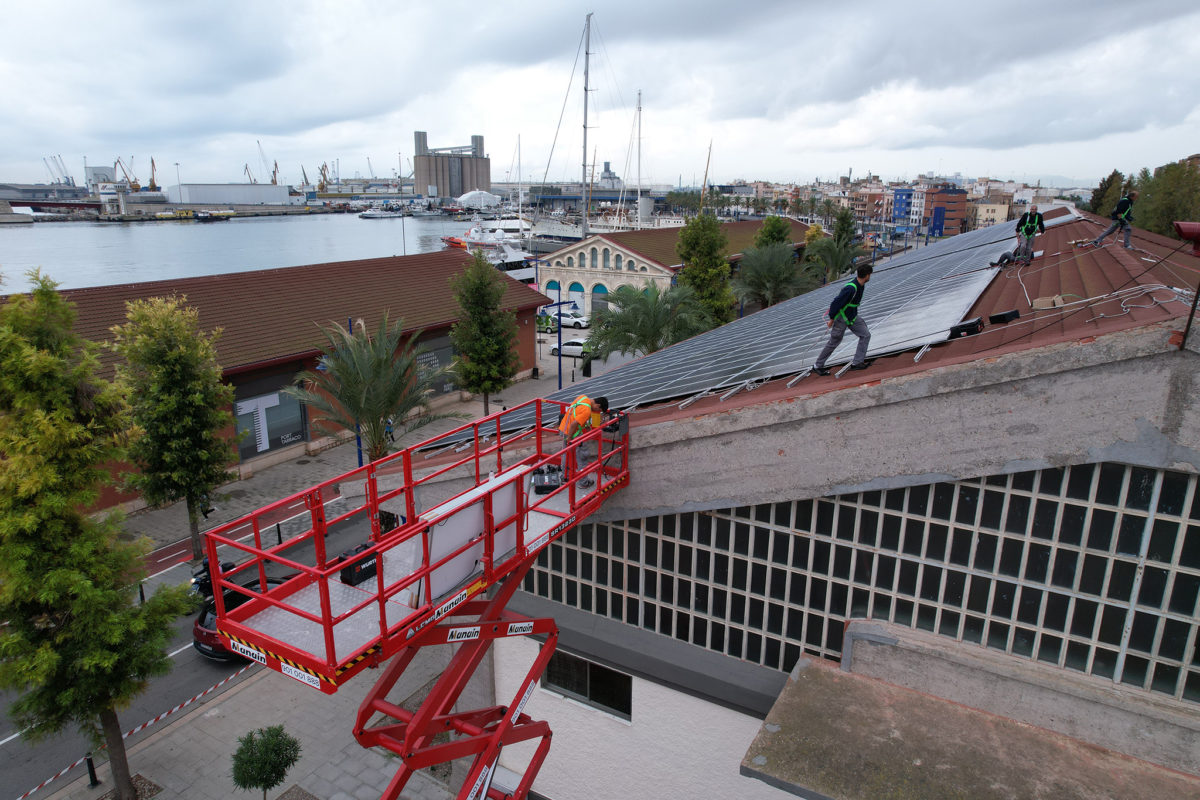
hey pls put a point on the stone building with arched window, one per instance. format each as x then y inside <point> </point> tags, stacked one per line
<point>587,272</point>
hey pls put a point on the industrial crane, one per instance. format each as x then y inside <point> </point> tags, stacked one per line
<point>303,176</point>
<point>275,174</point>
<point>152,185</point>
<point>323,183</point>
<point>250,174</point>
<point>134,186</point>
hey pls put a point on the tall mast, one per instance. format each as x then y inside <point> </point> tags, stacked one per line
<point>587,51</point>
<point>638,204</point>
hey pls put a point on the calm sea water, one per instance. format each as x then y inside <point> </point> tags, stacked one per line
<point>78,254</point>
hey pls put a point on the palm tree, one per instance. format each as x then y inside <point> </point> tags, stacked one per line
<point>836,255</point>
<point>369,384</point>
<point>827,209</point>
<point>811,204</point>
<point>641,322</point>
<point>770,275</point>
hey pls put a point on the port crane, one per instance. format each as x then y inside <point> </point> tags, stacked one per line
<point>152,186</point>
<point>423,576</point>
<point>250,175</point>
<point>134,186</point>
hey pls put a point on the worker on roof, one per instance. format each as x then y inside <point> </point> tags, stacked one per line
<point>581,416</point>
<point>843,315</point>
<point>1121,216</point>
<point>1029,225</point>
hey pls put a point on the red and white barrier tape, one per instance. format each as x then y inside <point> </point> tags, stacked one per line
<point>141,727</point>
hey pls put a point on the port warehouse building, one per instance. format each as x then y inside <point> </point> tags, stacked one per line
<point>1025,499</point>
<point>269,321</point>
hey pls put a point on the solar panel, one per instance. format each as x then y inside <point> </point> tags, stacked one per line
<point>911,301</point>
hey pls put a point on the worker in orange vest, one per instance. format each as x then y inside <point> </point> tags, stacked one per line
<point>581,416</point>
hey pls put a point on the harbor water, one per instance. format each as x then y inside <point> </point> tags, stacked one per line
<point>79,254</point>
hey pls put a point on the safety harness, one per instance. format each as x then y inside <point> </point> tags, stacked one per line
<point>853,304</point>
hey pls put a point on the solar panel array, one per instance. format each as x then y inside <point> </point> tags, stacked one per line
<point>911,301</point>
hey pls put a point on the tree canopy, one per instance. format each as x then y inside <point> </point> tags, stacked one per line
<point>1170,193</point>
<point>702,249</point>
<point>263,758</point>
<point>640,322</point>
<point>837,256</point>
<point>373,385</point>
<point>774,230</point>
<point>1109,187</point>
<point>485,335</point>
<point>771,274</point>
<point>74,645</point>
<point>843,225</point>
<point>180,405</point>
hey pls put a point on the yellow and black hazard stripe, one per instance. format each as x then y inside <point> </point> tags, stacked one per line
<point>361,657</point>
<point>283,660</point>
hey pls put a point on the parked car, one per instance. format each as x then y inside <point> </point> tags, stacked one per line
<point>573,347</point>
<point>572,319</point>
<point>205,638</point>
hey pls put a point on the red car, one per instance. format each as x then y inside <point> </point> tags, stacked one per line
<point>205,638</point>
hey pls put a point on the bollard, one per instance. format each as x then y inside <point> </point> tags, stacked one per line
<point>278,534</point>
<point>91,765</point>
<point>142,591</point>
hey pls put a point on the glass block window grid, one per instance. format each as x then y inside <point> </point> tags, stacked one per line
<point>1093,568</point>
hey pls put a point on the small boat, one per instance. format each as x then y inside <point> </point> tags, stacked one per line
<point>205,215</point>
<point>380,213</point>
<point>454,241</point>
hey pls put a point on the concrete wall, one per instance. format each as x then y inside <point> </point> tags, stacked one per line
<point>1127,721</point>
<point>1127,397</point>
<point>675,746</point>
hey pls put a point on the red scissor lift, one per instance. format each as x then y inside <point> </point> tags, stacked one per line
<point>334,616</point>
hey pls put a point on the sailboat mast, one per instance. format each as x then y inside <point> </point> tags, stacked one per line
<point>638,206</point>
<point>587,51</point>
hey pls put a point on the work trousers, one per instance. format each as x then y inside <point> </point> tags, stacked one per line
<point>1024,251</point>
<point>858,328</point>
<point>1117,223</point>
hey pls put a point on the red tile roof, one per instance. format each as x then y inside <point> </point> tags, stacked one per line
<point>270,315</point>
<point>658,244</point>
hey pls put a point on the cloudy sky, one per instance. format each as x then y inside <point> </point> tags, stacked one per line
<point>783,91</point>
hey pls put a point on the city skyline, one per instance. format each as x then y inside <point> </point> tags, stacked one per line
<point>782,92</point>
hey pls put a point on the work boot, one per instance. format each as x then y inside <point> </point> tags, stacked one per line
<point>863,365</point>
<point>821,370</point>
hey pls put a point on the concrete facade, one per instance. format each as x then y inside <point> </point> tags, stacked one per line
<point>1125,397</point>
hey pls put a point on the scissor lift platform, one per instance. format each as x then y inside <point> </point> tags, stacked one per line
<point>334,615</point>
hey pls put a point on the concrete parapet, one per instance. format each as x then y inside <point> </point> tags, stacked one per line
<point>1154,729</point>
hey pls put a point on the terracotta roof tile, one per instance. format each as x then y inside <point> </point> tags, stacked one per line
<point>658,244</point>
<point>268,315</point>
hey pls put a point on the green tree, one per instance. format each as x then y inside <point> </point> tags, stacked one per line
<point>771,274</point>
<point>811,204</point>
<point>774,230</point>
<point>74,645</point>
<point>701,247</point>
<point>1110,187</point>
<point>828,209</point>
<point>640,322</point>
<point>683,201</point>
<point>180,406</point>
<point>263,758</point>
<point>843,226</point>
<point>485,335</point>
<point>1171,193</point>
<point>369,384</point>
<point>814,233</point>
<point>836,256</point>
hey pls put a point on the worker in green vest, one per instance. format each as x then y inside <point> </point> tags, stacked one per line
<point>1121,216</point>
<point>843,316</point>
<point>1029,225</point>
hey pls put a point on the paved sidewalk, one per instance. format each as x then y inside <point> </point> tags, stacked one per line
<point>191,755</point>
